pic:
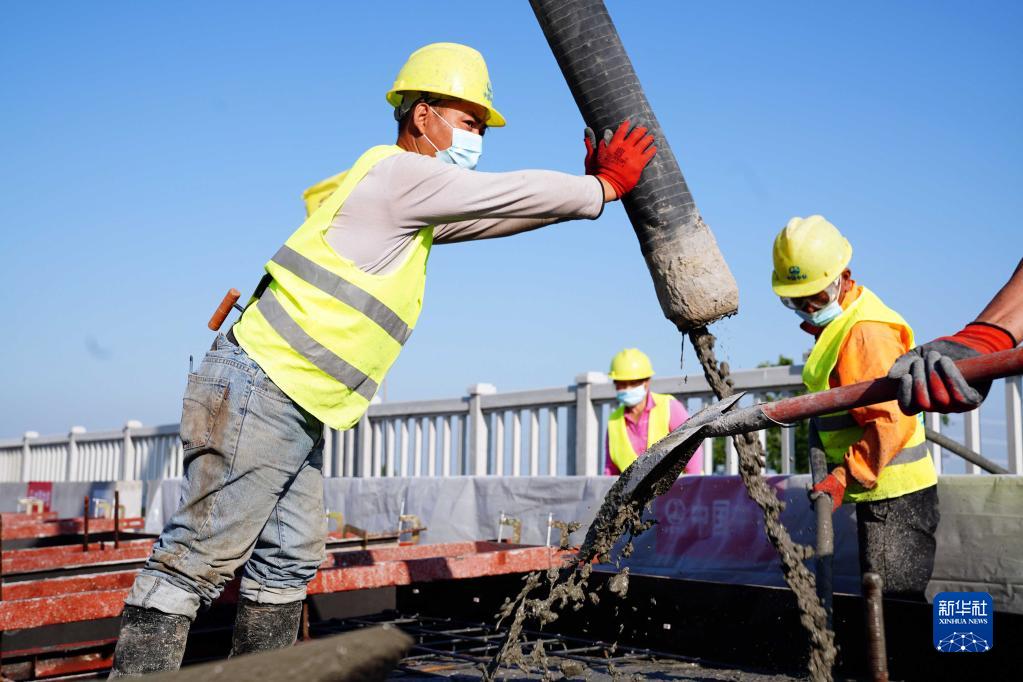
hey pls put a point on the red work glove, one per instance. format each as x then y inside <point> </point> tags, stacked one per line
<point>927,375</point>
<point>831,485</point>
<point>620,160</point>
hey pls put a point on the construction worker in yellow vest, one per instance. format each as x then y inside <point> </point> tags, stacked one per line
<point>642,417</point>
<point>338,302</point>
<point>878,456</point>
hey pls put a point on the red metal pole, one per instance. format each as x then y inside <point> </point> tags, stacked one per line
<point>117,518</point>
<point>983,367</point>
<point>85,525</point>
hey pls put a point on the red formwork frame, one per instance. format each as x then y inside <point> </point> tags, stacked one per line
<point>51,528</point>
<point>39,559</point>
<point>31,604</point>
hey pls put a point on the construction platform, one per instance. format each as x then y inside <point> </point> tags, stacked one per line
<point>706,599</point>
<point>60,606</point>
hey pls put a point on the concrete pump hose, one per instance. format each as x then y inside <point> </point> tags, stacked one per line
<point>692,280</point>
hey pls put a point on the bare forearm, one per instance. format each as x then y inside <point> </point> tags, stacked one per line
<point>1006,308</point>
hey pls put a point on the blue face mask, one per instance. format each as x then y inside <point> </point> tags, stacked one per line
<point>633,396</point>
<point>821,317</point>
<point>465,150</point>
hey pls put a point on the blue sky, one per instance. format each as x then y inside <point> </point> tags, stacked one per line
<point>155,154</point>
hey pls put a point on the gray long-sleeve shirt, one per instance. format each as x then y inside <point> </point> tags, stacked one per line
<point>406,192</point>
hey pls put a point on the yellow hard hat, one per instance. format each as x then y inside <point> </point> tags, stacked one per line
<point>630,364</point>
<point>809,254</point>
<point>450,70</point>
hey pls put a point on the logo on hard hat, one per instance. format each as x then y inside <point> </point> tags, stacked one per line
<point>795,274</point>
<point>488,93</point>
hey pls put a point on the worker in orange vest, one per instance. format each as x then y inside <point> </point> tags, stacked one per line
<point>878,457</point>
<point>642,417</point>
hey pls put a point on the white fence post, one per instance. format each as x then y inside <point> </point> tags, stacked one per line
<point>363,448</point>
<point>1014,424</point>
<point>128,451</point>
<point>788,449</point>
<point>971,428</point>
<point>478,428</point>
<point>328,468</point>
<point>586,425</point>
<point>71,471</point>
<point>26,454</point>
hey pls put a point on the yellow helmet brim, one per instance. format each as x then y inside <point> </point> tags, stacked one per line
<point>494,117</point>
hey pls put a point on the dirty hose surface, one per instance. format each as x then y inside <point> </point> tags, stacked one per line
<point>692,280</point>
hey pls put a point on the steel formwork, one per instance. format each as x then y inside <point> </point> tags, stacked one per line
<point>59,616</point>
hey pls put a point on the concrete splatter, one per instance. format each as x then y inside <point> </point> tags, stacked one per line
<point>797,575</point>
<point>621,515</point>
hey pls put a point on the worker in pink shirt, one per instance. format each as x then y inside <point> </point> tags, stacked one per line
<point>642,417</point>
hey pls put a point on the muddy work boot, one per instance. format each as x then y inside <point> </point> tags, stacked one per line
<point>150,641</point>
<point>260,627</point>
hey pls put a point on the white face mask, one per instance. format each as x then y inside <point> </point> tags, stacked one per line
<point>632,396</point>
<point>466,147</point>
<point>822,317</point>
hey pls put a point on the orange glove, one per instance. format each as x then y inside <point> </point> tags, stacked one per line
<point>833,486</point>
<point>621,160</point>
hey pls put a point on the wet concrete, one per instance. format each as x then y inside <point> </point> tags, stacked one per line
<point>621,514</point>
<point>792,555</point>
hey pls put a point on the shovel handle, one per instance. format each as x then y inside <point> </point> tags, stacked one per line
<point>224,309</point>
<point>1006,363</point>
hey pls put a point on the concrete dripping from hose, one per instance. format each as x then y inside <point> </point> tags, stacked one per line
<point>566,586</point>
<point>797,575</point>
<point>621,514</point>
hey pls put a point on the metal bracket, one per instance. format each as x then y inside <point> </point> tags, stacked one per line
<point>516,525</point>
<point>414,529</point>
<point>105,508</point>
<point>566,529</point>
<point>33,505</point>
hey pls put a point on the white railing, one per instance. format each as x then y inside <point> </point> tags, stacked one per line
<point>555,431</point>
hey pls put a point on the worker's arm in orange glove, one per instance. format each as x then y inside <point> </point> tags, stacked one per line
<point>927,375</point>
<point>867,353</point>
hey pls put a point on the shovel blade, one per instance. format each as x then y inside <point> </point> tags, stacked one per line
<point>664,461</point>
<point>652,474</point>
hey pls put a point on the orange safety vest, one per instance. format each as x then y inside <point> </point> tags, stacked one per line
<point>910,470</point>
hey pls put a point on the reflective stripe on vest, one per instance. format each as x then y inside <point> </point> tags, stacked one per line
<point>310,349</point>
<point>344,291</point>
<point>325,331</point>
<point>912,468</point>
<point>658,426</point>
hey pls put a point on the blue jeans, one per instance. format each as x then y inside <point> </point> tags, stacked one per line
<point>253,493</point>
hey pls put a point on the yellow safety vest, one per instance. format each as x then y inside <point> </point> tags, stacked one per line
<point>912,469</point>
<point>325,331</point>
<point>622,453</point>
